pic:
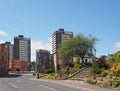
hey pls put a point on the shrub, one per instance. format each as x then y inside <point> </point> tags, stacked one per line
<point>89,80</point>
<point>73,70</point>
<point>115,69</point>
<point>63,70</point>
<point>46,76</point>
<point>101,62</point>
<point>41,75</point>
<point>68,64</point>
<point>104,73</point>
<point>49,76</point>
<point>48,71</point>
<point>114,80</point>
<point>71,64</point>
<point>95,68</point>
<point>77,65</point>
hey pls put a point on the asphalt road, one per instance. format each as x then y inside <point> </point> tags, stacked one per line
<point>27,82</point>
<point>24,83</point>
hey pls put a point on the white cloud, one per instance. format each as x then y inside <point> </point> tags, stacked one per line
<point>117,46</point>
<point>35,44</point>
<point>3,33</point>
<point>1,41</point>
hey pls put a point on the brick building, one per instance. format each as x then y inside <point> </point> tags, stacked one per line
<point>4,60</point>
<point>17,66</point>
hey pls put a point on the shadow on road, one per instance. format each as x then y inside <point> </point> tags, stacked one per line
<point>11,76</point>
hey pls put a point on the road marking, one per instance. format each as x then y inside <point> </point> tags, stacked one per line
<point>50,88</point>
<point>69,85</point>
<point>12,85</point>
<point>18,81</point>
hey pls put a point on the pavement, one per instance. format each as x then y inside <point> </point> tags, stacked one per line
<point>76,84</point>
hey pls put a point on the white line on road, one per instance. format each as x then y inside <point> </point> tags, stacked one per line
<point>69,85</point>
<point>12,85</point>
<point>50,88</point>
<point>18,81</point>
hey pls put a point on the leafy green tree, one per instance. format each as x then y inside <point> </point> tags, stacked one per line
<point>31,66</point>
<point>66,50</point>
<point>117,56</point>
<point>111,60</point>
<point>76,46</point>
<point>114,58</point>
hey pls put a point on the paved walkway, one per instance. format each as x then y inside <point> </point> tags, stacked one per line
<point>76,84</point>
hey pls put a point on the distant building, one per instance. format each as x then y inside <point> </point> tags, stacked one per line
<point>22,48</point>
<point>17,66</point>
<point>43,60</point>
<point>88,58</point>
<point>9,46</point>
<point>59,36</point>
<point>4,60</point>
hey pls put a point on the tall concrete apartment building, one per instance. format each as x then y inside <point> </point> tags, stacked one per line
<point>22,48</point>
<point>42,60</point>
<point>59,36</point>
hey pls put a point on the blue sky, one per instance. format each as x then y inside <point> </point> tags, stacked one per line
<point>38,19</point>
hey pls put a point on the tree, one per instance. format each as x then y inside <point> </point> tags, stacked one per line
<point>117,56</point>
<point>76,46</point>
<point>111,60</point>
<point>31,66</point>
<point>114,58</point>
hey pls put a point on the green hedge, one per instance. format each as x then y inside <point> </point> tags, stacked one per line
<point>48,71</point>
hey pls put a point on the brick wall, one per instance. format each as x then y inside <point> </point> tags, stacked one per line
<point>4,61</point>
<point>17,66</point>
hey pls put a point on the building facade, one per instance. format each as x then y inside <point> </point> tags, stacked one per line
<point>4,60</point>
<point>58,37</point>
<point>9,46</point>
<point>22,48</point>
<point>17,66</point>
<point>43,60</point>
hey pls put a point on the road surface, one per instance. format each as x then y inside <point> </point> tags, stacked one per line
<point>27,82</point>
